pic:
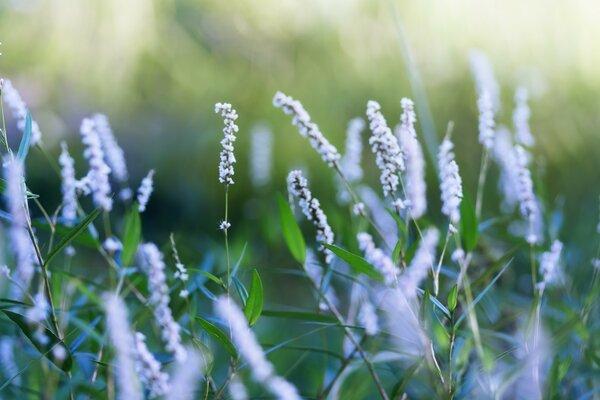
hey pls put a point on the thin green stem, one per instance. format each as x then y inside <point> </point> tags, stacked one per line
<point>481,182</point>
<point>225,229</point>
<point>4,136</point>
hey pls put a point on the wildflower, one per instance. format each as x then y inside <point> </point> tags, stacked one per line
<point>503,153</point>
<point>237,390</point>
<point>388,155</point>
<point>521,118</point>
<point>123,343</point>
<point>450,182</point>
<point>315,273</point>
<point>596,263</point>
<point>527,201</point>
<point>308,129</point>
<point>250,350</point>
<point>378,258</point>
<point>421,263</point>
<point>382,218</point>
<point>224,225</point>
<point>298,186</point>
<point>486,120</point>
<point>367,317</point>
<point>229,115</point>
<point>261,155</point>
<point>186,377</point>
<point>7,360</point>
<point>159,299</point>
<point>485,81</point>
<point>549,264</point>
<point>148,369</point>
<point>181,272</point>
<point>97,176</point>
<point>359,209</point>
<point>112,244</point>
<point>68,186</point>
<point>22,245</point>
<point>458,256</point>
<point>415,163</point>
<point>18,110</point>
<point>113,153</point>
<point>350,162</point>
<point>144,191</point>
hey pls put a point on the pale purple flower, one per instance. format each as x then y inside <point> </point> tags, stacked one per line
<point>549,264</point>
<point>112,244</point>
<point>311,208</point>
<point>350,162</point>
<point>486,120</point>
<point>97,176</point>
<point>521,118</point>
<point>421,263</point>
<point>148,369</point>
<point>308,129</point>
<point>68,186</point>
<point>7,360</point>
<point>18,109</point>
<point>224,225</point>
<point>504,154</point>
<point>261,155</point>
<point>382,262</point>
<point>159,299</point>
<point>237,390</point>
<point>145,190</point>
<point>485,81</point>
<point>388,154</point>
<point>367,318</point>
<point>113,153</point>
<point>527,201</point>
<point>227,158</point>
<point>181,272</point>
<point>382,218</point>
<point>359,209</point>
<point>450,182</point>
<point>187,377</point>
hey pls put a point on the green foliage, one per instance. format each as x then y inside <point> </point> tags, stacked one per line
<point>24,145</point>
<point>291,231</point>
<point>254,304</point>
<point>132,234</point>
<point>357,263</point>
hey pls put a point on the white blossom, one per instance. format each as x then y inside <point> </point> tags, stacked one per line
<point>382,218</point>
<point>144,191</point>
<point>521,118</point>
<point>549,264</point>
<point>224,225</point>
<point>148,369</point>
<point>415,186</point>
<point>527,201</point>
<point>458,256</point>
<point>237,390</point>
<point>421,263</point>
<point>113,154</point>
<point>123,343</point>
<point>504,154</point>
<point>68,186</point>
<point>311,208</point>
<point>308,129</point>
<point>7,360</point>
<point>388,154</point>
<point>18,109</point>
<point>350,162</point>
<point>486,120</point>
<point>159,299</point>
<point>227,158</point>
<point>484,77</point>
<point>249,348</point>
<point>359,209</point>
<point>378,258</point>
<point>181,272</point>
<point>367,317</point>
<point>186,377</point>
<point>261,155</point>
<point>97,176</point>
<point>450,182</point>
<point>112,244</point>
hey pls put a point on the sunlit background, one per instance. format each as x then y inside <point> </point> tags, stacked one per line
<point>156,68</point>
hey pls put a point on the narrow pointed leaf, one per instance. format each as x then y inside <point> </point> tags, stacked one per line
<point>291,231</point>
<point>24,145</point>
<point>132,234</point>
<point>358,264</point>
<point>254,304</point>
<point>218,334</point>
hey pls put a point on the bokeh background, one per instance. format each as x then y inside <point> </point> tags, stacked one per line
<point>156,68</point>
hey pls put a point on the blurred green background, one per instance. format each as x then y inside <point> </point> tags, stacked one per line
<point>156,68</point>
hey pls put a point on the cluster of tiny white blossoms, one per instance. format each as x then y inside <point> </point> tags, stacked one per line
<point>378,258</point>
<point>310,206</point>
<point>415,186</point>
<point>421,263</point>
<point>123,343</point>
<point>68,186</point>
<point>367,318</point>
<point>148,369</point>
<point>237,390</point>
<point>227,158</point>
<point>388,154</point>
<point>450,181</point>
<point>113,153</point>
<point>18,110</point>
<point>261,155</point>
<point>350,162</point>
<point>249,348</point>
<point>308,129</point>
<point>186,377</point>
<point>181,272</point>
<point>527,201</point>
<point>97,177</point>
<point>7,359</point>
<point>159,299</point>
<point>378,211</point>
<point>549,264</point>
<point>503,153</point>
<point>486,120</point>
<point>112,245</point>
<point>484,77</point>
<point>23,248</point>
<point>521,118</point>
<point>144,191</point>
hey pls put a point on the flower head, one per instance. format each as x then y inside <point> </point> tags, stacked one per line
<point>113,154</point>
<point>378,258</point>
<point>18,109</point>
<point>450,182</point>
<point>486,120</point>
<point>421,263</point>
<point>68,186</point>
<point>97,176</point>
<point>145,190</point>
<point>521,118</point>
<point>229,115</point>
<point>261,155</point>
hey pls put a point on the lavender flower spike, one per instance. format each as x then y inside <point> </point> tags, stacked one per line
<point>229,115</point>
<point>450,182</point>
<point>113,154</point>
<point>68,186</point>
<point>18,110</point>
<point>145,190</point>
<point>521,118</point>
<point>527,201</point>
<point>97,177</point>
<point>486,120</point>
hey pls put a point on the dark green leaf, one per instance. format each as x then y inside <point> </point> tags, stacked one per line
<point>132,234</point>
<point>254,304</point>
<point>24,145</point>
<point>453,298</point>
<point>468,223</point>
<point>397,252</point>
<point>84,238</point>
<point>358,264</point>
<point>218,334</point>
<point>210,276</point>
<point>291,231</point>
<point>73,233</point>
<point>29,329</point>
<point>241,289</point>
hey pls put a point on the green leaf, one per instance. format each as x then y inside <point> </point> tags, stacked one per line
<point>291,231</point>
<point>300,315</point>
<point>358,264</point>
<point>29,329</point>
<point>241,289</point>
<point>254,304</point>
<point>84,238</point>
<point>24,145</point>
<point>468,223</point>
<point>397,252</point>
<point>132,234</point>
<point>453,298</point>
<point>72,234</point>
<point>210,276</point>
<point>218,334</point>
